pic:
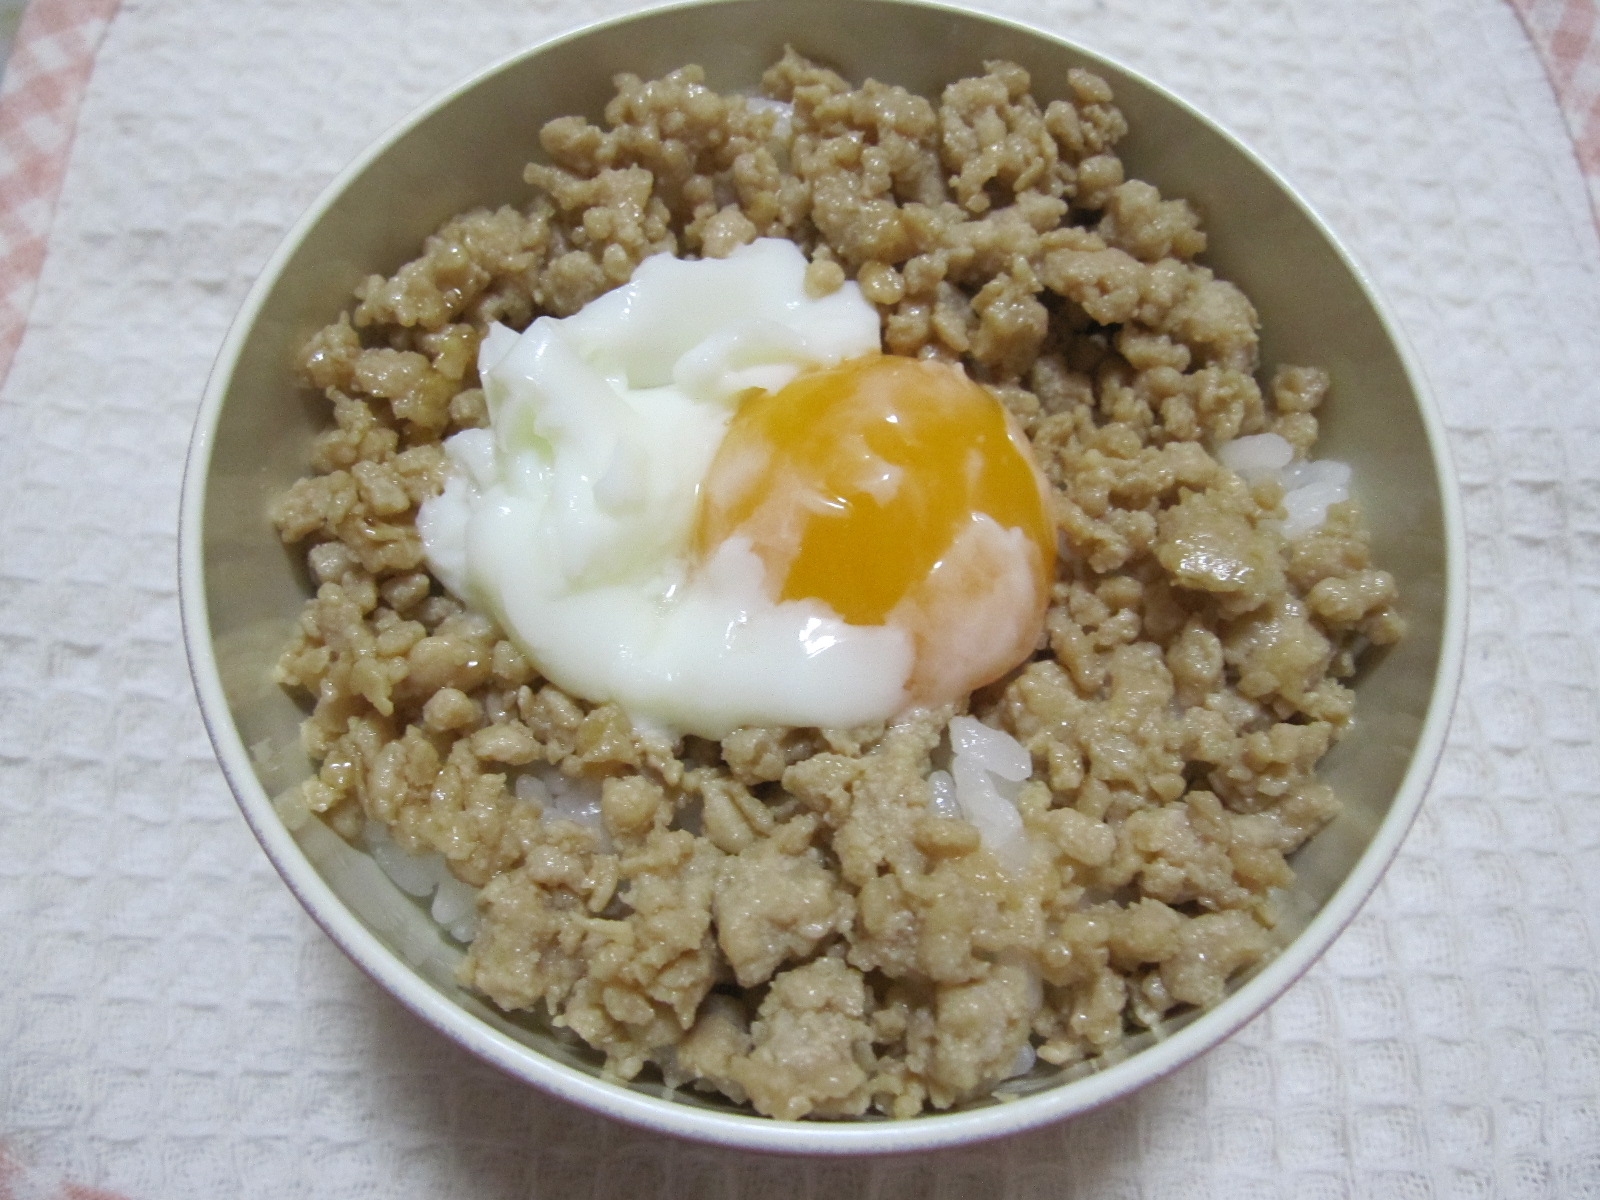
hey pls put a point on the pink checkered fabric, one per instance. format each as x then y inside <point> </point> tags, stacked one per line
<point>44,82</point>
<point>20,1180</point>
<point>1567,35</point>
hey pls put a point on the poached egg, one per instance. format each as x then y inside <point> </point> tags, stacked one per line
<point>708,497</point>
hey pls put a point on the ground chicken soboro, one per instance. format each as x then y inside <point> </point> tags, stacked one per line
<point>782,917</point>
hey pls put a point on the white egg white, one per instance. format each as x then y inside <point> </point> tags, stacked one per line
<point>570,518</point>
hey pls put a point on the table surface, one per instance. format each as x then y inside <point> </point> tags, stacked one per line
<point>173,1025</point>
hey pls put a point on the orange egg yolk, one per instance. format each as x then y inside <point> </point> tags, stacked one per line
<point>895,491</point>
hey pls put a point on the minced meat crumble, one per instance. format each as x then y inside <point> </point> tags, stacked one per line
<point>784,917</point>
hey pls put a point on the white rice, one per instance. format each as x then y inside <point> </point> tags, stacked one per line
<point>993,749</point>
<point>783,109</point>
<point>1309,488</point>
<point>563,798</point>
<point>1024,1062</point>
<point>988,768</point>
<point>455,904</point>
<point>944,795</point>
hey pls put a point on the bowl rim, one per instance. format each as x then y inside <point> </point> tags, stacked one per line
<point>742,1131</point>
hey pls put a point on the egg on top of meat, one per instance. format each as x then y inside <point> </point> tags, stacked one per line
<point>708,497</point>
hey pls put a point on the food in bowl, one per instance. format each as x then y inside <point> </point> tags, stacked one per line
<point>656,460</point>
<point>825,918</point>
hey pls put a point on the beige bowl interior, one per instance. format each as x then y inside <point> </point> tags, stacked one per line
<point>242,590</point>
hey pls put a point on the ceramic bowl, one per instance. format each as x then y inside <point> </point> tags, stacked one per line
<point>242,590</point>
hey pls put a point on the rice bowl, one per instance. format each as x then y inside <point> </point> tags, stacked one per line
<point>1417,530</point>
